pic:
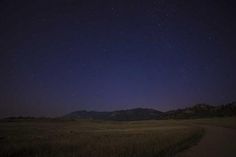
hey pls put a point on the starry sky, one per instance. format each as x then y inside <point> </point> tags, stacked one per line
<point>59,56</point>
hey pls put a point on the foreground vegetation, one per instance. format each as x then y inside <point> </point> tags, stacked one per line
<point>50,138</point>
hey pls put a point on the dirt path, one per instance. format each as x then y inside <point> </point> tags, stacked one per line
<point>217,142</point>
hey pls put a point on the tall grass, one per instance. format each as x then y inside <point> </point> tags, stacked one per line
<point>95,139</point>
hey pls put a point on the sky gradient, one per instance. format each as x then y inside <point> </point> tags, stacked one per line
<point>66,55</point>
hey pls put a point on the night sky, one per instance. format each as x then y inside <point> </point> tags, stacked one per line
<point>65,55</point>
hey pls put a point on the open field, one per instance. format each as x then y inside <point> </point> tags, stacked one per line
<point>84,138</point>
<point>227,122</point>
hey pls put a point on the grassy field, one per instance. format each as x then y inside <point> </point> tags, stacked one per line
<point>84,138</point>
<point>227,122</point>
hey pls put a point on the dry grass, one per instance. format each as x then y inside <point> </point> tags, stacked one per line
<point>95,138</point>
<point>227,122</point>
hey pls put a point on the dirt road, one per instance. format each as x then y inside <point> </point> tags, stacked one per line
<point>217,142</point>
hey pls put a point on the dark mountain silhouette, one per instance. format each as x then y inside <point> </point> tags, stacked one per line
<point>203,111</point>
<point>136,114</point>
<point>196,111</point>
<point>121,115</point>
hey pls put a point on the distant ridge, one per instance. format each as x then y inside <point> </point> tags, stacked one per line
<point>196,111</point>
<point>120,115</point>
<point>203,111</point>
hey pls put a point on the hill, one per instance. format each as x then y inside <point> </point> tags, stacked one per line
<point>196,111</point>
<point>121,115</point>
<point>203,111</point>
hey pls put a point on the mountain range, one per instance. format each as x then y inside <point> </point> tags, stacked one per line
<point>196,111</point>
